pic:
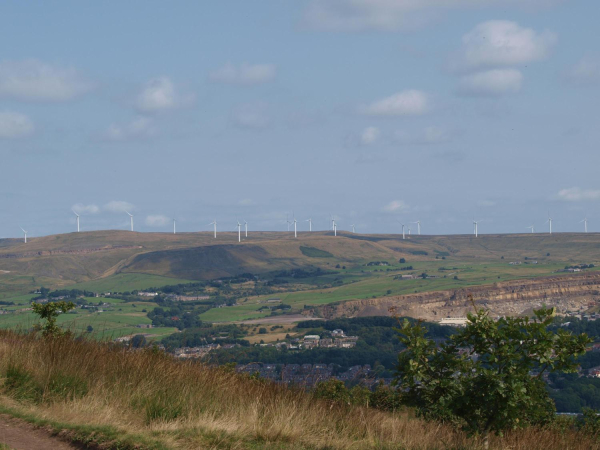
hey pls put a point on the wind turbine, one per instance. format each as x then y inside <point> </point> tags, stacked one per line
<point>332,222</point>
<point>239,227</point>
<point>334,228</point>
<point>215,224</point>
<point>77,219</point>
<point>353,229</point>
<point>403,235</point>
<point>295,227</point>
<point>409,231</point>
<point>174,229</point>
<point>130,218</point>
<point>585,221</point>
<point>287,220</point>
<point>418,222</point>
<point>246,225</point>
<point>309,224</point>
<point>475,229</point>
<point>532,229</point>
<point>25,234</point>
<point>549,221</point>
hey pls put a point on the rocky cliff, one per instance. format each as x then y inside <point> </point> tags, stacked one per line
<point>567,293</point>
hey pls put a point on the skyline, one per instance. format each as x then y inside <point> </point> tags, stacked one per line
<point>379,110</point>
<point>333,219</point>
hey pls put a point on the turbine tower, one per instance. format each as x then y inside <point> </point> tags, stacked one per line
<point>332,222</point>
<point>131,219</point>
<point>549,221</point>
<point>295,228</point>
<point>309,224</point>
<point>418,222</point>
<point>174,229</point>
<point>246,225</point>
<point>25,232</point>
<point>353,231</point>
<point>584,221</point>
<point>334,228</point>
<point>409,231</point>
<point>532,229</point>
<point>403,235</point>
<point>475,229</point>
<point>215,224</point>
<point>77,219</point>
<point>239,227</point>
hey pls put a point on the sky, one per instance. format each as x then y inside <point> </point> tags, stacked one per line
<point>376,112</point>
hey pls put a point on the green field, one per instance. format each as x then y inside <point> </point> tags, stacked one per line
<point>116,319</point>
<point>127,282</point>
<point>381,283</point>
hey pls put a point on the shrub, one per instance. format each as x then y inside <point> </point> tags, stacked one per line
<point>333,390</point>
<point>495,391</point>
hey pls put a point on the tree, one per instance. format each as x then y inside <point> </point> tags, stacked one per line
<point>138,341</point>
<point>90,328</point>
<point>486,377</point>
<point>50,311</point>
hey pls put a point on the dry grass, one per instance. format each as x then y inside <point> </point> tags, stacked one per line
<point>182,404</point>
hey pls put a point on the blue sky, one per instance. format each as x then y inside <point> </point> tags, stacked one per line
<point>375,111</point>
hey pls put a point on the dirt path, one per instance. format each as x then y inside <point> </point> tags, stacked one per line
<point>20,435</point>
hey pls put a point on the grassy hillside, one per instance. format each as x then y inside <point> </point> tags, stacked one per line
<point>147,400</point>
<point>109,261</point>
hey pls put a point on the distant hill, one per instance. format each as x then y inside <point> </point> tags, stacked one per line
<point>60,260</point>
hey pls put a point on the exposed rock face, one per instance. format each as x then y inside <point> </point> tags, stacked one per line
<point>567,293</point>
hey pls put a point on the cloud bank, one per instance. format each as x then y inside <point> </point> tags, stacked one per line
<point>33,80</point>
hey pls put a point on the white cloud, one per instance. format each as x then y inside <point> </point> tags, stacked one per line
<point>89,209</point>
<point>34,80</point>
<point>391,15</point>
<point>14,125</point>
<point>369,135</point>
<point>157,221</point>
<point>405,103</point>
<point>138,128</point>
<point>395,206</point>
<point>159,94</point>
<point>501,43</point>
<point>491,83</point>
<point>428,136</point>
<point>118,206</point>
<point>586,72</point>
<point>246,74</point>
<point>576,194</point>
<point>251,116</point>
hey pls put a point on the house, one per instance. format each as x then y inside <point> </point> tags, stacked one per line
<point>337,332</point>
<point>312,337</point>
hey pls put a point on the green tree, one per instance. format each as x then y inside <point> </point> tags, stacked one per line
<point>488,376</point>
<point>50,311</point>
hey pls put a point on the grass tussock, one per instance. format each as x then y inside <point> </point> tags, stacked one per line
<point>146,399</point>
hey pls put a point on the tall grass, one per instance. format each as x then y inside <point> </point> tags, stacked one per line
<point>183,404</point>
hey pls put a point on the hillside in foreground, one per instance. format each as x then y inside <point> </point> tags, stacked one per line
<point>117,398</point>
